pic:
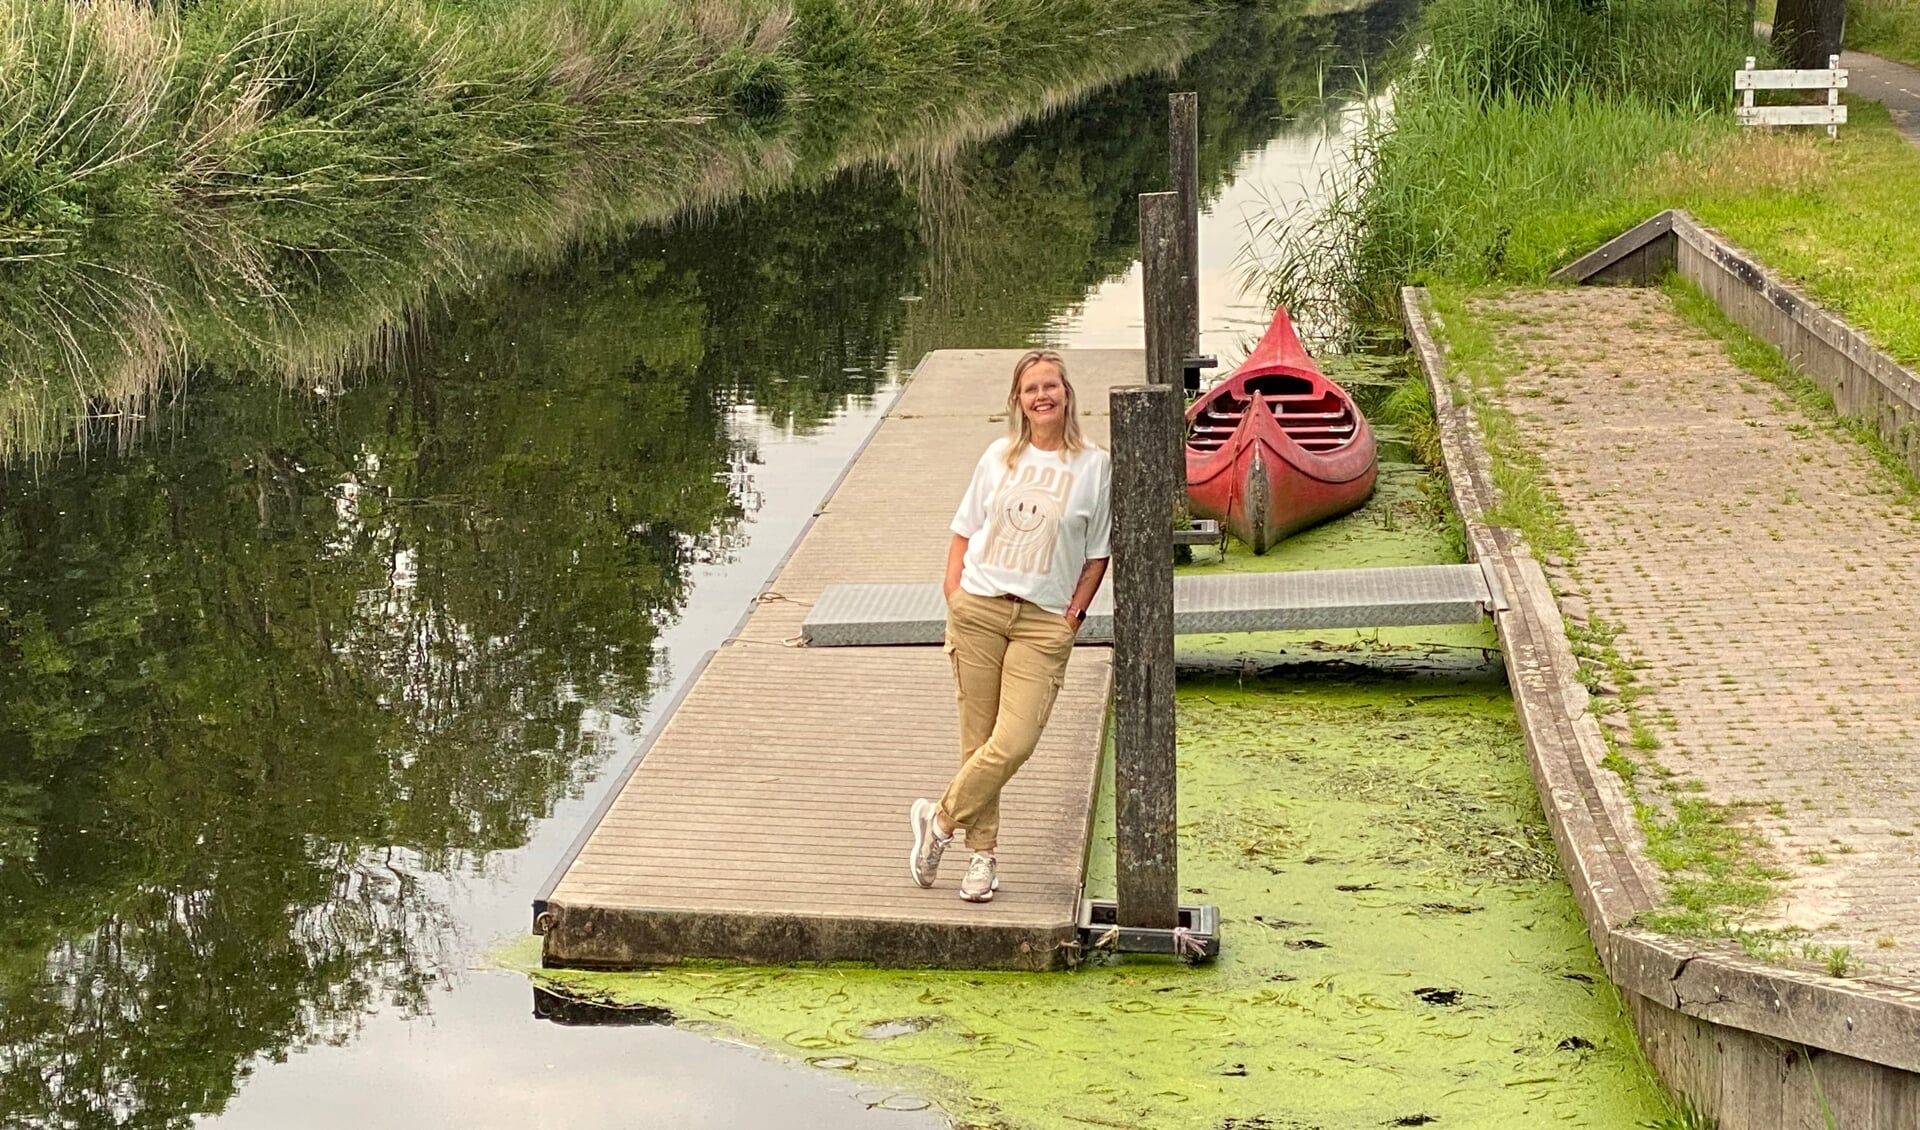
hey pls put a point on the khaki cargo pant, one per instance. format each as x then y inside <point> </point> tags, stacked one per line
<point>1009,659</point>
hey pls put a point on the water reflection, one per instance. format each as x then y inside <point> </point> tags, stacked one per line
<point>282,672</point>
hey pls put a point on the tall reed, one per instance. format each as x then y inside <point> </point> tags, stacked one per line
<point>1486,162</point>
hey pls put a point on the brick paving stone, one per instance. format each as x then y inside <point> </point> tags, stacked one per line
<point>1764,573</point>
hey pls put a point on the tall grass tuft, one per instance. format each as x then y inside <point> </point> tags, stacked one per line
<point>80,88</point>
<point>1890,28</point>
<point>277,180</point>
<point>1676,53</point>
<point>1483,164</point>
<point>118,107</point>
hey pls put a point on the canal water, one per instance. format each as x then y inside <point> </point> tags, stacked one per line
<point>311,675</point>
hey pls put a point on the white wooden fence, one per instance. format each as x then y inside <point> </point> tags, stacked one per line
<point>1833,80</point>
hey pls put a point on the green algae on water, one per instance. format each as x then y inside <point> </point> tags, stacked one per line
<point>1398,948</point>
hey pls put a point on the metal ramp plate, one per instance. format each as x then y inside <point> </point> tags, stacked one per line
<point>1404,596</point>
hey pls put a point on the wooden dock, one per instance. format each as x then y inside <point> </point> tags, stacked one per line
<point>765,818</point>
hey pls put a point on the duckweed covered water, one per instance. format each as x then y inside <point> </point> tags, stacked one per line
<point>1399,948</point>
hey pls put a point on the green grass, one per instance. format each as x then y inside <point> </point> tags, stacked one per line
<point>1888,28</point>
<point>1716,868</point>
<point>1525,502</point>
<point>112,110</point>
<point>1518,189</point>
<point>1835,218</point>
<point>1479,180</point>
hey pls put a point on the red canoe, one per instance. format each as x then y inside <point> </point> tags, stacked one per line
<point>1275,447</point>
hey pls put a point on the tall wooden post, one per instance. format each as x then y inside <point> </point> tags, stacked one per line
<point>1183,173</point>
<point>1146,882</point>
<point>1166,316</point>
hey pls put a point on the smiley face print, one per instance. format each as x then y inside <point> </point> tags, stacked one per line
<point>1024,523</point>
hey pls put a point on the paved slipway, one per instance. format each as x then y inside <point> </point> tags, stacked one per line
<point>1759,564</point>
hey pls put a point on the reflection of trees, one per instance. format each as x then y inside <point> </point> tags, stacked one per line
<point>802,292</point>
<point>274,667</point>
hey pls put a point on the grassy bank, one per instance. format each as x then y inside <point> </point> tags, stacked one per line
<point>281,185</point>
<point>1888,28</point>
<point>113,110</point>
<point>1529,137</point>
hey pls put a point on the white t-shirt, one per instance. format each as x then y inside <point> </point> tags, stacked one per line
<point>1032,527</point>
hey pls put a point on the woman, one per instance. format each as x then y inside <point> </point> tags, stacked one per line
<point>1029,550</point>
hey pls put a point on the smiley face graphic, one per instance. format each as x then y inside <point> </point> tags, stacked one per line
<point>1024,515</point>
<point>1025,520</point>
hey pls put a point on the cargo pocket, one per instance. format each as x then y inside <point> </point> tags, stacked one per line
<point>1054,684</point>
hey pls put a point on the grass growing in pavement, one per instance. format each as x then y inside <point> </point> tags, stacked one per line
<point>1716,868</point>
<point>1525,502</point>
<point>1888,28</point>
<point>1763,360</point>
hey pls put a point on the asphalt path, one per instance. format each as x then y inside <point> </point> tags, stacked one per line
<point>1894,84</point>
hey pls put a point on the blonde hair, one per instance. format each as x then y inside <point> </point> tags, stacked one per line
<point>1019,431</point>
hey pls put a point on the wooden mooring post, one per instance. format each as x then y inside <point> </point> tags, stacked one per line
<point>1146,916</point>
<point>1145,797</point>
<point>1172,321</point>
<point>1149,495</point>
<point>1183,173</point>
<point>1164,295</point>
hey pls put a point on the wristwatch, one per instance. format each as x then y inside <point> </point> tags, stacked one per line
<point>1077,615</point>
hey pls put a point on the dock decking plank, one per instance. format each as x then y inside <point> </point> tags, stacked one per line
<point>767,818</point>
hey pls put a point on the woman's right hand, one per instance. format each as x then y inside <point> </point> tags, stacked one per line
<point>956,564</point>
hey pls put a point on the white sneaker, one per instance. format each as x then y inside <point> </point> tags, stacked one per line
<point>928,845</point>
<point>983,878</point>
